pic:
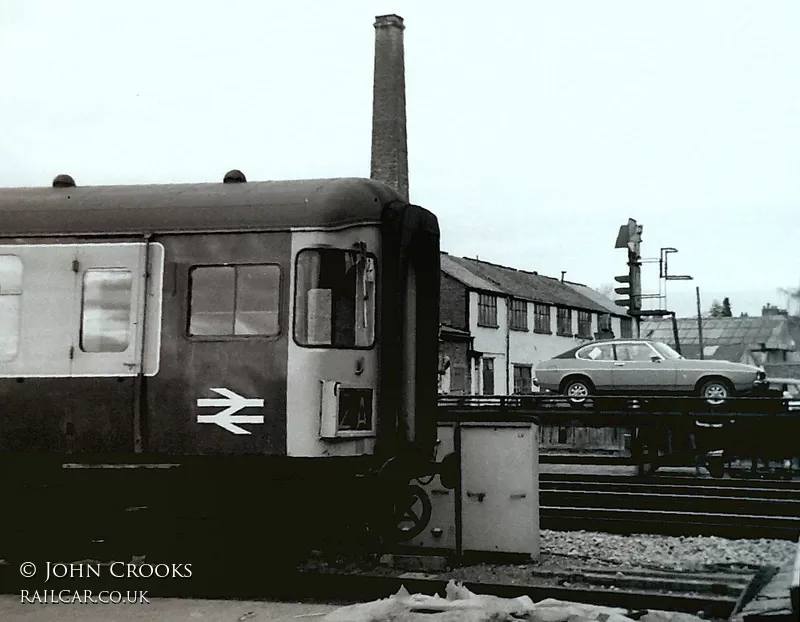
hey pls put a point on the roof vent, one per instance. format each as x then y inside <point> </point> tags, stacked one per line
<point>63,181</point>
<point>234,177</point>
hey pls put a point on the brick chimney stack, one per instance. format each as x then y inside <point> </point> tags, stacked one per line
<point>389,142</point>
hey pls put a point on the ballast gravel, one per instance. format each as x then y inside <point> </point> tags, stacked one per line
<point>665,552</point>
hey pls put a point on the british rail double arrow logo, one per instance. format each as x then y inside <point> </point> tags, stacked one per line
<point>227,418</point>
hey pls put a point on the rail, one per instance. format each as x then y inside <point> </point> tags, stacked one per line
<point>794,588</point>
<point>611,410</point>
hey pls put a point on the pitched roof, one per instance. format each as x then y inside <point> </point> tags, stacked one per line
<point>461,273</point>
<point>518,283</point>
<point>612,307</point>
<point>724,331</point>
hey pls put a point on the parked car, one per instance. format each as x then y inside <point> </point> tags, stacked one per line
<point>639,366</point>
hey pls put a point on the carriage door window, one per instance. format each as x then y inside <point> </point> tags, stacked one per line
<point>335,298</point>
<point>10,305</point>
<point>106,310</point>
<point>488,376</point>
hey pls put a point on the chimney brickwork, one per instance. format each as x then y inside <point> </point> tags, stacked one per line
<point>389,140</point>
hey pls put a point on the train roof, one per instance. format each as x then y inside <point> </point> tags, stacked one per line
<point>201,207</point>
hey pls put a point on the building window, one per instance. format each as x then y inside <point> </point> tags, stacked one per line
<point>604,323</point>
<point>488,376</point>
<point>564,318</point>
<point>10,306</point>
<point>228,301</point>
<point>541,318</point>
<point>106,310</point>
<point>522,379</point>
<point>335,298</point>
<point>487,310</point>
<point>626,328</point>
<point>584,324</point>
<point>519,315</point>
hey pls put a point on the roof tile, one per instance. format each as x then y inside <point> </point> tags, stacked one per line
<point>519,283</point>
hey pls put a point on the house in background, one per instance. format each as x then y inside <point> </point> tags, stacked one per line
<point>498,323</point>
<point>764,340</point>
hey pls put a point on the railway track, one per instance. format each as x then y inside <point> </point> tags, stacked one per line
<point>717,594</point>
<point>670,506</point>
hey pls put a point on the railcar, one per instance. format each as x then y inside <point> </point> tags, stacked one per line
<point>265,347</point>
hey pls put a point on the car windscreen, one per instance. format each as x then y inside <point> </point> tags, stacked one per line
<point>665,351</point>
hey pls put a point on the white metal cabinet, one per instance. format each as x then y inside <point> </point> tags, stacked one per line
<point>500,488</point>
<point>499,491</point>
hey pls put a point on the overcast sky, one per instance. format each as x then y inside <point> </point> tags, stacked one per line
<point>535,128</point>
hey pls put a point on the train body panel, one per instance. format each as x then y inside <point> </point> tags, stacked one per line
<point>224,327</point>
<point>251,319</point>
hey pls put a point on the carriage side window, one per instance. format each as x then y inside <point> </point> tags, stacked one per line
<point>241,300</point>
<point>106,310</point>
<point>335,298</point>
<point>10,306</point>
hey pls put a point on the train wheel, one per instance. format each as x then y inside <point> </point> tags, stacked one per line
<point>716,468</point>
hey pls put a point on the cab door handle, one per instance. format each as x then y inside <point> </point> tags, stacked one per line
<point>619,364</point>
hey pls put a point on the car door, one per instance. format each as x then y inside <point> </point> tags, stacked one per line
<point>639,367</point>
<point>597,362</point>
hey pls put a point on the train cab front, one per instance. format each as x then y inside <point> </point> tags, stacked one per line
<point>363,357</point>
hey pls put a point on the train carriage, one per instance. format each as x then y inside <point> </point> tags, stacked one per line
<point>284,329</point>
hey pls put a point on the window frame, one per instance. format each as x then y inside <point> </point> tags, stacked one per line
<point>232,337</point>
<point>529,379</point>
<point>559,312</point>
<point>548,314</point>
<point>130,326</point>
<point>517,313</point>
<point>586,316</point>
<point>293,320</point>
<point>481,305</point>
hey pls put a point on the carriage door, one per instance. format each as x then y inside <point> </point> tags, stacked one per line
<point>81,344</point>
<point>110,305</point>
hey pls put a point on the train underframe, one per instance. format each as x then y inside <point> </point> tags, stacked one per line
<point>272,511</point>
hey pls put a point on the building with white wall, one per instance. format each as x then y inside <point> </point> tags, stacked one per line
<point>515,319</point>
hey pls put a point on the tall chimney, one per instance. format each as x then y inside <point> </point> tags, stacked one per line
<point>389,142</point>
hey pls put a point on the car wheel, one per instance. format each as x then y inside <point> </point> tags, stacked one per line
<point>715,391</point>
<point>577,389</point>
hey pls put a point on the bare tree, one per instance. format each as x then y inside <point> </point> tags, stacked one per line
<point>607,290</point>
<point>793,293</point>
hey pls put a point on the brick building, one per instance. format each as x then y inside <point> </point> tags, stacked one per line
<point>498,323</point>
